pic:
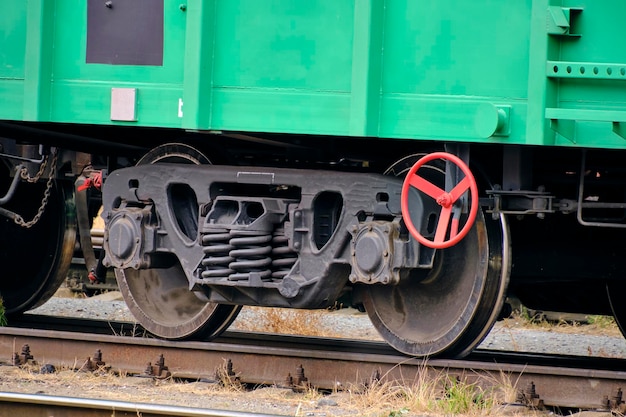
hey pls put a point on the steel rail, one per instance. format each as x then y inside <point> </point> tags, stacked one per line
<point>34,405</point>
<point>326,363</point>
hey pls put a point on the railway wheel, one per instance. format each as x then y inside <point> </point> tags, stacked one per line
<point>449,309</point>
<point>35,260</point>
<point>159,298</point>
<point>615,292</point>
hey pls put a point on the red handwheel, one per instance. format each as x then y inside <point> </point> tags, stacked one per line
<point>445,199</point>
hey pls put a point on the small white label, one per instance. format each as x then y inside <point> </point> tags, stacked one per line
<point>180,107</point>
<point>124,104</point>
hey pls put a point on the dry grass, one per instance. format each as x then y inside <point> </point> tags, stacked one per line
<point>288,321</point>
<point>435,393</point>
<point>312,323</point>
<point>430,392</point>
<point>592,324</point>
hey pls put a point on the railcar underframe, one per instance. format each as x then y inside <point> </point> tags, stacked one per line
<point>191,241</point>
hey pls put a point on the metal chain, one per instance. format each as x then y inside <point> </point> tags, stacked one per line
<point>24,172</point>
<point>46,195</point>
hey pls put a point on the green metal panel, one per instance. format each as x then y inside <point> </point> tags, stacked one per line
<point>283,65</point>
<point>443,63</point>
<point>589,68</point>
<point>13,40</point>
<point>488,71</point>
<point>540,91</point>
<point>198,72</point>
<point>11,99</point>
<point>12,46</point>
<point>367,57</point>
<point>38,60</point>
<point>367,68</point>
<point>81,92</point>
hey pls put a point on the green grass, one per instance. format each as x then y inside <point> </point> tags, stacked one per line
<point>601,322</point>
<point>461,398</point>
<point>3,318</point>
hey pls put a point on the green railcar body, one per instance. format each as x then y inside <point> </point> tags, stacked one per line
<point>266,153</point>
<point>533,72</point>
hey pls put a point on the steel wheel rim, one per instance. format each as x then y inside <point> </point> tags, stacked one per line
<point>159,298</point>
<point>161,302</point>
<point>36,260</point>
<point>449,311</point>
<point>492,268</point>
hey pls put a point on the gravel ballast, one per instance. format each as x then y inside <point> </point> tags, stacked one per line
<point>505,335</point>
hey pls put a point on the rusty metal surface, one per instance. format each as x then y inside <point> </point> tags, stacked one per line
<point>33,405</point>
<point>325,363</point>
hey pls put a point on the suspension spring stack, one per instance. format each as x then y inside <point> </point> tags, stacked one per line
<point>239,246</point>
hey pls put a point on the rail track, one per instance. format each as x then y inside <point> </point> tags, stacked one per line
<point>290,361</point>
<point>34,405</point>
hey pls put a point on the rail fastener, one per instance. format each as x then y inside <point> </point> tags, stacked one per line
<point>23,358</point>
<point>529,397</point>
<point>158,370</point>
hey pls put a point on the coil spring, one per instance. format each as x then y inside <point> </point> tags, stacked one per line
<point>251,255</point>
<point>216,248</point>
<point>283,258</point>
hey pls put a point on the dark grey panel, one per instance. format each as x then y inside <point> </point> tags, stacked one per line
<point>125,32</point>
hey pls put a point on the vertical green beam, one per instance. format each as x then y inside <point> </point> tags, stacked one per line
<point>38,58</point>
<point>366,67</point>
<point>542,92</point>
<point>198,74</point>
